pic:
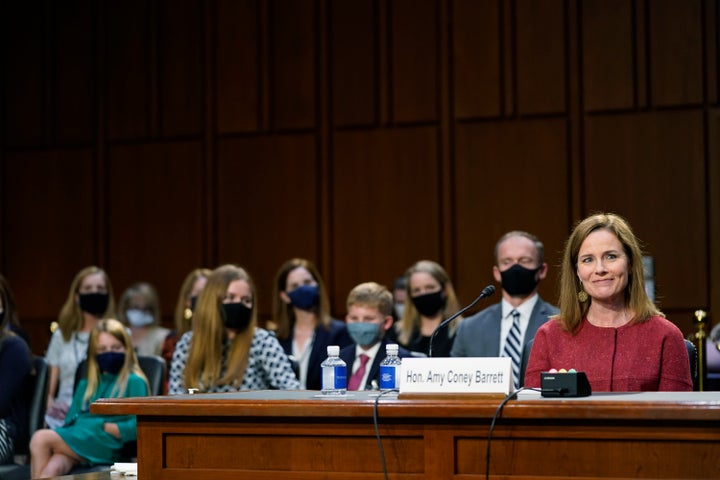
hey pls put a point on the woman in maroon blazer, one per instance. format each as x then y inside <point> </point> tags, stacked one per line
<point>607,326</point>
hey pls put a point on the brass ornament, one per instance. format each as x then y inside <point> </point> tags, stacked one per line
<point>582,296</point>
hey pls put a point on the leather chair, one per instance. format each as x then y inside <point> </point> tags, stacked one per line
<point>36,393</point>
<point>692,356</point>
<point>712,369</point>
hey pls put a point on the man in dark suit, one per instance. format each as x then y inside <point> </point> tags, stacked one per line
<point>506,327</point>
<point>369,317</point>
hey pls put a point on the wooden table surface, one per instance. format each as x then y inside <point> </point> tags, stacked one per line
<point>269,434</point>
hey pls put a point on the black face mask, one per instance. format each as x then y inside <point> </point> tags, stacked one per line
<point>429,304</point>
<point>94,303</point>
<point>193,302</point>
<point>110,362</point>
<point>236,315</point>
<point>519,281</point>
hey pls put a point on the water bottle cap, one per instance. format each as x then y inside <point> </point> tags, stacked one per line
<point>333,350</point>
<point>392,348</point>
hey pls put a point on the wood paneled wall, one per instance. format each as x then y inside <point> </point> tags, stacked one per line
<point>154,136</point>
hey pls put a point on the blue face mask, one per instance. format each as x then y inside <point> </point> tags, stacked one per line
<point>305,297</point>
<point>110,362</point>
<point>364,333</point>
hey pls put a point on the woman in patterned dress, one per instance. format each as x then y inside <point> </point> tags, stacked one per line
<point>226,351</point>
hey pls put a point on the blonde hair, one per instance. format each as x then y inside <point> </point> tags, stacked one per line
<point>572,311</point>
<point>118,330</point>
<point>410,321</point>
<point>283,313</point>
<point>70,319</point>
<point>205,362</point>
<point>371,295</point>
<point>183,322</point>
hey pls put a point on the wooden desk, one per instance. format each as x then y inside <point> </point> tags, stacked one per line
<point>301,435</point>
<point>102,475</point>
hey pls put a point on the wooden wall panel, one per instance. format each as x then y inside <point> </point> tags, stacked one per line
<point>131,101</point>
<point>353,59</point>
<point>181,46</point>
<point>294,59</point>
<point>26,74</point>
<point>414,60</point>
<point>476,51</point>
<point>676,52</point>
<point>75,82</point>
<point>650,169</point>
<point>382,179</point>
<point>268,205</point>
<point>302,154</point>
<point>713,172</point>
<point>710,58</point>
<point>49,231</point>
<point>608,58</point>
<point>541,57</point>
<point>154,218</point>
<point>509,176</point>
<point>3,203</point>
<point>237,68</point>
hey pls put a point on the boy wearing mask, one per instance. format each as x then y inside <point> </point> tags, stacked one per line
<point>369,307</point>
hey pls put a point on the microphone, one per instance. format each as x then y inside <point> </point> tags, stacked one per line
<point>486,292</point>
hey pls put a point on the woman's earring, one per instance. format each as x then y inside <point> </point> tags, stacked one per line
<point>582,296</point>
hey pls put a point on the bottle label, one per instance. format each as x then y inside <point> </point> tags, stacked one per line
<point>334,378</point>
<point>388,377</point>
<point>340,377</point>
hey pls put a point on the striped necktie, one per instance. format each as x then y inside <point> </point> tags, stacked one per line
<point>513,347</point>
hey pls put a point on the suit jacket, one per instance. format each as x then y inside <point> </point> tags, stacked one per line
<point>348,356</point>
<point>479,335</point>
<point>337,335</point>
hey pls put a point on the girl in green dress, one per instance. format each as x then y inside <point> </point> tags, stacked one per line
<point>87,438</point>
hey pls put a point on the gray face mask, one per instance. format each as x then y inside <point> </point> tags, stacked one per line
<point>364,333</point>
<point>399,309</point>
<point>139,318</point>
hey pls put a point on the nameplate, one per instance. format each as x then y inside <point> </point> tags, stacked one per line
<point>456,375</point>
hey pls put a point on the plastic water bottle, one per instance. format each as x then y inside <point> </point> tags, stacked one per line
<point>389,369</point>
<point>334,373</point>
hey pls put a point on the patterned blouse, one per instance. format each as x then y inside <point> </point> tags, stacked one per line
<point>268,366</point>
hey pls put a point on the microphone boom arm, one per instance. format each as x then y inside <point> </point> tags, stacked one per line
<point>486,292</point>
